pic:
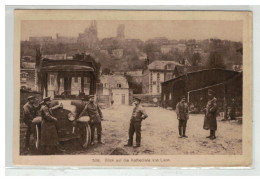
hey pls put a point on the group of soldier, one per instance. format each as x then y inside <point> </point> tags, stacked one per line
<point>210,122</point>
<point>49,133</point>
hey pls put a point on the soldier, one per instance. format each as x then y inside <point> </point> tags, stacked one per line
<point>49,133</point>
<point>233,106</point>
<point>138,115</point>
<point>29,113</point>
<point>210,122</point>
<point>182,112</point>
<point>93,111</point>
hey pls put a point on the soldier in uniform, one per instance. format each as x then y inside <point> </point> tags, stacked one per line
<point>29,113</point>
<point>49,133</point>
<point>182,112</point>
<point>93,111</point>
<point>138,115</point>
<point>210,121</point>
<point>233,106</point>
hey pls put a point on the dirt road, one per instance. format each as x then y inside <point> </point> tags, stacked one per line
<point>160,135</point>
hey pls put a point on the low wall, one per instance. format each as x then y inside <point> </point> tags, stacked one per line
<point>103,101</point>
<point>149,100</point>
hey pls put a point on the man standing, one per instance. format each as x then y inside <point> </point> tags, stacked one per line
<point>93,111</point>
<point>182,112</point>
<point>232,113</point>
<point>49,133</point>
<point>29,113</point>
<point>138,115</point>
<point>210,121</point>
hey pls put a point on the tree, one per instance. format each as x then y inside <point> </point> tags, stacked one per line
<point>137,87</point>
<point>195,59</point>
<point>106,71</point>
<point>215,60</point>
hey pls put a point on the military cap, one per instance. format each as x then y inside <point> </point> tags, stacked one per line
<point>183,96</point>
<point>31,97</point>
<point>46,99</point>
<point>211,91</point>
<point>91,96</point>
<point>137,98</point>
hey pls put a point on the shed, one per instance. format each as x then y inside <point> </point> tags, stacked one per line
<point>194,85</point>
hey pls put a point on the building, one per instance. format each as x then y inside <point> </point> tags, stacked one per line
<point>108,42</point>
<point>168,47</point>
<point>27,76</point>
<point>183,70</point>
<point>181,47</point>
<point>41,39</point>
<point>133,42</point>
<point>64,39</point>
<point>121,32</point>
<point>118,53</point>
<point>158,40</point>
<point>194,85</point>
<point>27,59</point>
<point>156,73</point>
<point>116,87</point>
<point>89,36</point>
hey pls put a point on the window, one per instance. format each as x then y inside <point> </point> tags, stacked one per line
<point>168,67</point>
<point>23,75</point>
<point>158,82</point>
<point>170,96</point>
<point>119,85</point>
<point>76,79</point>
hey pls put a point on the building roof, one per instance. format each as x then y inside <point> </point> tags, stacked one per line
<point>220,71</point>
<point>113,80</point>
<point>160,65</point>
<point>66,65</point>
<point>135,73</point>
<point>188,69</point>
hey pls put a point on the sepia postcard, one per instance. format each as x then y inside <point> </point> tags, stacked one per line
<point>133,88</point>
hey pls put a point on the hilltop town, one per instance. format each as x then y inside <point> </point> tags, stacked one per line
<point>158,72</point>
<point>138,66</point>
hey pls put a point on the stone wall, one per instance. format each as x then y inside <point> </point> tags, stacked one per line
<point>149,100</point>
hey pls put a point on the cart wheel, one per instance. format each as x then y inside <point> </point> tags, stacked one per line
<point>37,137</point>
<point>88,133</point>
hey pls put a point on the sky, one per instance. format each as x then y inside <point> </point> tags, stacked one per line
<point>199,30</point>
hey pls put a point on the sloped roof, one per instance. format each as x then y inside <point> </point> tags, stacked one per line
<point>160,65</point>
<point>135,73</point>
<point>187,69</point>
<point>113,80</point>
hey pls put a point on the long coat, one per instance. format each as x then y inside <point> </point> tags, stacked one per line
<point>182,111</point>
<point>93,111</point>
<point>210,121</point>
<point>49,133</point>
<point>29,113</point>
